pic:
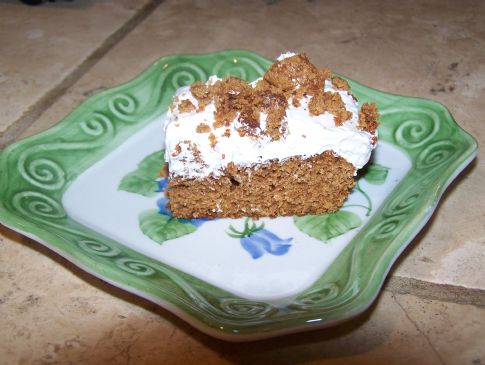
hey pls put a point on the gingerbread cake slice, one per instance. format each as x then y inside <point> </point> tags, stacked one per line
<point>289,143</point>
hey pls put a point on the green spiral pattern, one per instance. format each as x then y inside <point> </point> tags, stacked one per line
<point>98,248</point>
<point>434,154</point>
<point>321,296</point>
<point>245,309</point>
<point>184,74</point>
<point>242,67</point>
<point>137,267</point>
<point>34,204</point>
<point>123,107</point>
<point>416,126</point>
<point>42,172</point>
<point>98,125</point>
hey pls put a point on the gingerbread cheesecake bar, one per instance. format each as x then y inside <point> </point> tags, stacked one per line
<point>289,143</point>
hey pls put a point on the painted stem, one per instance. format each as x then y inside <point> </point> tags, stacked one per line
<point>369,202</point>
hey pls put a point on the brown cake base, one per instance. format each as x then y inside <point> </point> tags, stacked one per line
<point>316,185</point>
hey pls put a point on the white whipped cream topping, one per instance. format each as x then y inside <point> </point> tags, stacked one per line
<point>306,136</point>
<point>286,55</point>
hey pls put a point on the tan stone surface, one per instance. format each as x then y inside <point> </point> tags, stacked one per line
<point>53,312</point>
<point>456,332</point>
<point>66,316</point>
<point>42,45</point>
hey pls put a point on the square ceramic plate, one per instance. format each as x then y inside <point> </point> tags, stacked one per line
<point>88,188</point>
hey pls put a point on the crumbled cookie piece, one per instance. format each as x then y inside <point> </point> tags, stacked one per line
<point>203,128</point>
<point>274,104</point>
<point>174,104</point>
<point>325,73</point>
<point>231,95</point>
<point>195,151</point>
<point>263,85</point>
<point>186,106</point>
<point>330,102</point>
<point>249,120</point>
<point>294,73</point>
<point>231,168</point>
<point>368,117</point>
<point>213,140</point>
<point>201,92</point>
<point>218,124</point>
<point>340,83</point>
<point>177,150</point>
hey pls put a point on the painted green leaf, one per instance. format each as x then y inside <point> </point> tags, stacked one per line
<point>161,227</point>
<point>376,174</point>
<point>327,226</point>
<point>143,180</point>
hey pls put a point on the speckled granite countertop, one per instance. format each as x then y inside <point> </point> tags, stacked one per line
<point>431,310</point>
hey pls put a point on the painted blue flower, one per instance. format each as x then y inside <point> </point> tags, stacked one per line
<point>256,240</point>
<point>162,184</point>
<point>162,207</point>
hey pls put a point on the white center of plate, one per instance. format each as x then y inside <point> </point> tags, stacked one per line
<point>209,253</point>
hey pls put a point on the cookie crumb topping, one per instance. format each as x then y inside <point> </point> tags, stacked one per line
<point>286,82</point>
<point>212,140</point>
<point>329,102</point>
<point>186,106</point>
<point>368,117</point>
<point>203,128</point>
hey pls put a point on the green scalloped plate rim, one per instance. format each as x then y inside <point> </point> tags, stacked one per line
<point>36,171</point>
